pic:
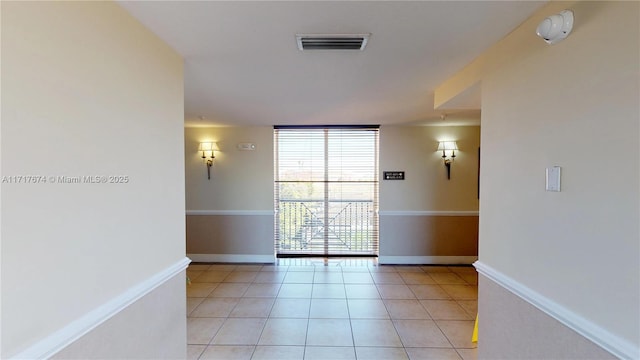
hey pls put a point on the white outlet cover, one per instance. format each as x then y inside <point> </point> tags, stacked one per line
<point>553,178</point>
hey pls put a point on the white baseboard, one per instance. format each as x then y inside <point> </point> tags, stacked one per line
<point>612,343</point>
<point>421,260</point>
<point>65,336</point>
<point>232,258</point>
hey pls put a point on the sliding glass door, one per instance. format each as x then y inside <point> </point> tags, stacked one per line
<point>326,190</point>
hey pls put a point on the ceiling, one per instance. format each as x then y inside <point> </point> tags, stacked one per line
<point>243,67</point>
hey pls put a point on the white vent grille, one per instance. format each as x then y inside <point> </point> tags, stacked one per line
<point>332,41</point>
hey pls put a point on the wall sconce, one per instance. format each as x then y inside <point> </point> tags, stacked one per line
<point>448,149</point>
<point>208,155</point>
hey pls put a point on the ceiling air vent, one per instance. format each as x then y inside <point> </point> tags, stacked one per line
<point>332,41</point>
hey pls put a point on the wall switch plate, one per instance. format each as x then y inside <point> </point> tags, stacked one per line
<point>246,146</point>
<point>553,178</point>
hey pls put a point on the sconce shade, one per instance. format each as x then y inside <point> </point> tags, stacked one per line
<point>447,145</point>
<point>208,146</point>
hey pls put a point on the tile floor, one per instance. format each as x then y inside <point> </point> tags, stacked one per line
<point>330,309</point>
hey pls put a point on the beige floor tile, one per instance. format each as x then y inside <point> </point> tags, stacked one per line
<point>211,276</point>
<point>327,277</point>
<point>301,268</point>
<point>198,267</point>
<point>381,353</point>
<point>406,310</point>
<point>192,303</point>
<point>329,332</point>
<point>215,307</point>
<point>435,269</point>
<point>291,308</point>
<point>357,278</point>
<point>194,351</point>
<point>248,268</point>
<point>409,269</point>
<point>262,290</point>
<point>238,331</point>
<point>329,352</point>
<point>447,278</point>
<point>382,268</point>
<point>462,292</point>
<point>395,292</point>
<point>300,277</point>
<point>284,332</point>
<point>445,310</point>
<point>468,354</point>
<point>458,332</point>
<point>229,290</point>
<point>362,291</point>
<point>193,274</point>
<point>241,277</point>
<point>463,269</point>
<point>432,354</point>
<point>470,306</point>
<point>222,352</point>
<point>328,291</point>
<point>295,291</point>
<point>435,292</point>
<point>223,267</point>
<point>367,309</point>
<point>415,278</point>
<point>200,289</point>
<point>200,331</point>
<point>375,333</point>
<point>267,277</point>
<point>272,311</point>
<point>387,278</point>
<point>355,268</point>
<point>253,307</point>
<point>278,353</point>
<point>421,333</point>
<point>327,264</point>
<point>329,309</point>
<point>471,279</point>
<point>274,268</point>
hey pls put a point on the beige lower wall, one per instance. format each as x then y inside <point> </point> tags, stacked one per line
<point>428,235</point>
<point>422,237</point>
<point>515,329</point>
<point>154,327</point>
<point>230,234</point>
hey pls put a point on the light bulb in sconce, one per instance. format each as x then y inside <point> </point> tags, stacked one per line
<point>208,154</point>
<point>448,149</point>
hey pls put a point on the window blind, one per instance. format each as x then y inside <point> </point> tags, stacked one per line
<point>326,190</point>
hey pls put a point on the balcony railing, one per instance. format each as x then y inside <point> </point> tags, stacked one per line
<point>341,227</point>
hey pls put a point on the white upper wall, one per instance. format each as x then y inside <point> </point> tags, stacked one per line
<point>240,180</point>
<point>574,104</point>
<point>413,149</point>
<point>86,91</point>
<point>243,180</point>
